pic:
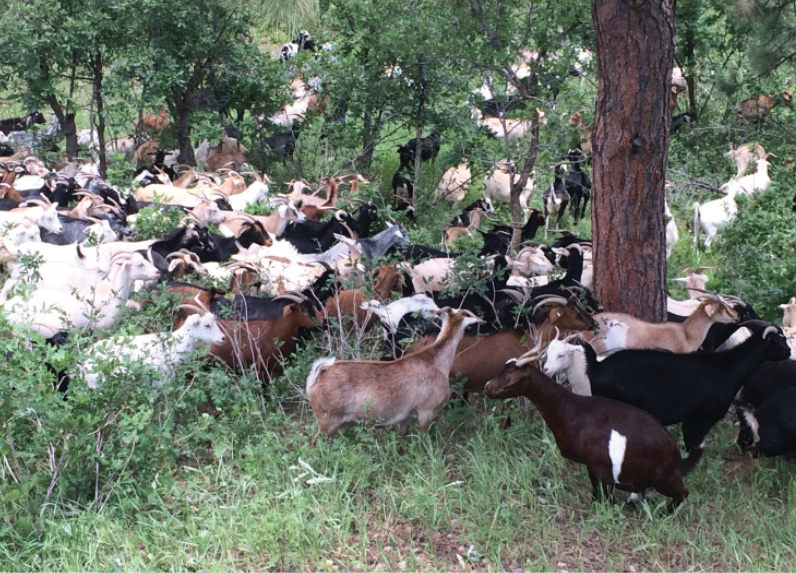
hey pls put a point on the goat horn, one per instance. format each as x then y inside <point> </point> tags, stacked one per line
<point>699,270</point>
<point>548,300</point>
<point>513,293</point>
<point>190,215</point>
<point>295,297</point>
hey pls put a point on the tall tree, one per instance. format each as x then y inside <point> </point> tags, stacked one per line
<point>192,41</point>
<point>635,47</point>
<point>43,41</point>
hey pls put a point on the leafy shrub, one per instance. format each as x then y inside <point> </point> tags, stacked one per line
<point>152,222</point>
<point>758,260</point>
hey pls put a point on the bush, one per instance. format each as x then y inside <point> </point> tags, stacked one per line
<point>758,262</point>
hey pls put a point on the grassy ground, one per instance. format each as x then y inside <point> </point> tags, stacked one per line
<point>467,495</point>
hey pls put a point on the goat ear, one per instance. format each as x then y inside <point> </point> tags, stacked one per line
<point>288,308</point>
<point>710,309</point>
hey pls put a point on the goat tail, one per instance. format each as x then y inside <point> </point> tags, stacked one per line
<point>320,366</point>
<point>696,224</point>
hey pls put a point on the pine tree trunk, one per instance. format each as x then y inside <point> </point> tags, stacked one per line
<point>635,48</point>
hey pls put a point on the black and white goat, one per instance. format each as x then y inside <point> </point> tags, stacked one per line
<point>556,198</point>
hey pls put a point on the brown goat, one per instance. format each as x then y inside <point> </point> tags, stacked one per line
<point>346,302</point>
<point>342,392</point>
<point>263,344</point>
<point>479,359</point>
<point>755,109</point>
<point>154,123</point>
<point>8,192</point>
<point>620,445</point>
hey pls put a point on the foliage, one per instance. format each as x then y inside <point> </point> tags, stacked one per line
<point>758,260</point>
<point>152,222</point>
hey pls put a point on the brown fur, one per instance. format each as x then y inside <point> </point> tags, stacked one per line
<point>146,152</point>
<point>452,233</point>
<point>479,359</point>
<point>582,427</point>
<point>8,192</point>
<point>757,109</point>
<point>251,343</point>
<point>154,123</point>
<point>347,302</point>
<point>349,390</point>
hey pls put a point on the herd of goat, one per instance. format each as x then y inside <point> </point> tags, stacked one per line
<point>506,329</point>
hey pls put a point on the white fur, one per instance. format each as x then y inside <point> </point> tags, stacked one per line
<point>617,445</point>
<point>318,367</point>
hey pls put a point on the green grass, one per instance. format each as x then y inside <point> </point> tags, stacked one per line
<point>467,493</point>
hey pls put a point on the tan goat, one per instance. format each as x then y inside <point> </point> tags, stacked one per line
<point>342,392</point>
<point>620,331</point>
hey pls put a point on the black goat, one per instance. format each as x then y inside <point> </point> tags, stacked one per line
<point>463,219</point>
<point>403,190</point>
<point>578,184</point>
<point>556,198</point>
<point>283,144</point>
<point>569,285</point>
<point>498,239</point>
<point>682,119</point>
<point>21,123</point>
<point>695,389</point>
<point>314,236</point>
<point>304,41</point>
<point>765,409</point>
<point>429,149</point>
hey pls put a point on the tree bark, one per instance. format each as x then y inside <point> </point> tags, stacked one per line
<point>68,126</point>
<point>517,187</point>
<point>635,49</point>
<point>96,65</point>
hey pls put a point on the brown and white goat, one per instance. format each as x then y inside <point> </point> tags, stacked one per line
<point>619,331</point>
<point>342,392</point>
<point>347,302</point>
<point>620,445</point>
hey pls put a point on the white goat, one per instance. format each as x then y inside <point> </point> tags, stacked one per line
<point>41,214</point>
<point>714,215</point>
<point>391,314</point>
<point>163,352</point>
<point>671,230</point>
<point>749,184</point>
<point>497,185</point>
<point>98,307</point>
<point>255,192</point>
<point>568,361</point>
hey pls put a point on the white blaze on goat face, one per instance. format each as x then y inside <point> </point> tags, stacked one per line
<point>617,444</point>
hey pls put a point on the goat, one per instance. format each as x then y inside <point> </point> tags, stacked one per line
<point>757,181</point>
<point>480,359</point>
<point>714,215</point>
<point>789,316</point>
<point>153,123</point>
<point>41,213</point>
<point>695,389</point>
<point>344,391</point>
<point>765,409</point>
<point>556,197</point>
<point>353,302</point>
<point>403,190</point>
<point>757,109</point>
<point>498,183</point>
<point>455,183</point>
<point>618,331</point>
<point>452,233</point>
<point>498,239</point>
<point>21,123</point>
<point>671,229</point>
<point>163,352</point>
<point>429,148</point>
<point>263,344</point>
<point>619,444</point>
<point>578,184</point>
<point>51,311</point>
<point>744,155</point>
<point>773,424</point>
